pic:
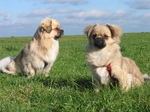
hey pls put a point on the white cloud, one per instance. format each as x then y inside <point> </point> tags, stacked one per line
<point>38,13</point>
<point>74,2</point>
<point>121,15</point>
<point>139,4</point>
<point>5,16</point>
<point>100,15</point>
<point>22,27</point>
<point>145,19</point>
<point>94,13</point>
<point>63,11</point>
<point>73,21</point>
<point>77,20</point>
<point>146,15</point>
<point>16,23</point>
<point>121,12</point>
<point>45,12</point>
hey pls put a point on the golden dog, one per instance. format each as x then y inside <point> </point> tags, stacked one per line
<point>106,61</point>
<point>39,55</point>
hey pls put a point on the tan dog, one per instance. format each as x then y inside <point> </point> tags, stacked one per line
<point>39,55</point>
<point>105,59</point>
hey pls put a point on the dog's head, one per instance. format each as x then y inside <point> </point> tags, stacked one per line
<point>49,28</point>
<point>101,36</point>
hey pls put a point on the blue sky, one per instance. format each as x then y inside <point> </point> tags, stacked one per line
<point>22,17</point>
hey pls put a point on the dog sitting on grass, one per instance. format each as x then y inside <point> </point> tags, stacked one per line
<point>39,55</point>
<point>106,61</point>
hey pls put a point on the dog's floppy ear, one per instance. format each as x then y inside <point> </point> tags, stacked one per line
<point>89,29</point>
<point>46,25</point>
<point>115,30</point>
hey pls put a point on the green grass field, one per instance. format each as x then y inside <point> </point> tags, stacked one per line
<point>69,87</point>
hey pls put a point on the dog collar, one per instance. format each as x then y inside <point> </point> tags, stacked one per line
<point>109,70</point>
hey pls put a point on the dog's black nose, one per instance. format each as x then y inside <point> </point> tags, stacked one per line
<point>99,43</point>
<point>62,32</point>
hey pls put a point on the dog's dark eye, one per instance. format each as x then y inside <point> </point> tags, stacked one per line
<point>94,36</point>
<point>56,28</point>
<point>106,36</point>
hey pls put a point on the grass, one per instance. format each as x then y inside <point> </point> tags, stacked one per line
<point>69,87</point>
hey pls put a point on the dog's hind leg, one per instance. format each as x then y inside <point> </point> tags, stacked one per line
<point>136,82</point>
<point>28,70</point>
<point>47,69</point>
<point>125,80</point>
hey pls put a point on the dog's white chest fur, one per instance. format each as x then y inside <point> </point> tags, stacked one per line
<point>49,57</point>
<point>53,52</point>
<point>103,75</point>
<point>99,59</point>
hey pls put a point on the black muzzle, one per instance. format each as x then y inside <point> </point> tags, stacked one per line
<point>99,43</point>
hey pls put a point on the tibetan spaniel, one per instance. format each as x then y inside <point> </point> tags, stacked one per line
<point>38,56</point>
<point>106,61</point>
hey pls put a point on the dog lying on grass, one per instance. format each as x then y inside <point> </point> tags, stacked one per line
<point>106,61</point>
<point>39,55</point>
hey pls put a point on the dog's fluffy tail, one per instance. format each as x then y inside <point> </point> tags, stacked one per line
<point>4,63</point>
<point>146,77</point>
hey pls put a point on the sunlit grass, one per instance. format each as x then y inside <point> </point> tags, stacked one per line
<point>69,87</point>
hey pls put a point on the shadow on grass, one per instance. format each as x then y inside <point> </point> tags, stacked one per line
<point>79,84</point>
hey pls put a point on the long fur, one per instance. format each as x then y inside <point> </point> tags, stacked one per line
<point>123,69</point>
<point>39,55</point>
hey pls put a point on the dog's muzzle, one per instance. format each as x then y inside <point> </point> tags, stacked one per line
<point>60,33</point>
<point>99,42</point>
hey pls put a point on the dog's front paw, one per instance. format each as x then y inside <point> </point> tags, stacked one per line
<point>96,90</point>
<point>46,75</point>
